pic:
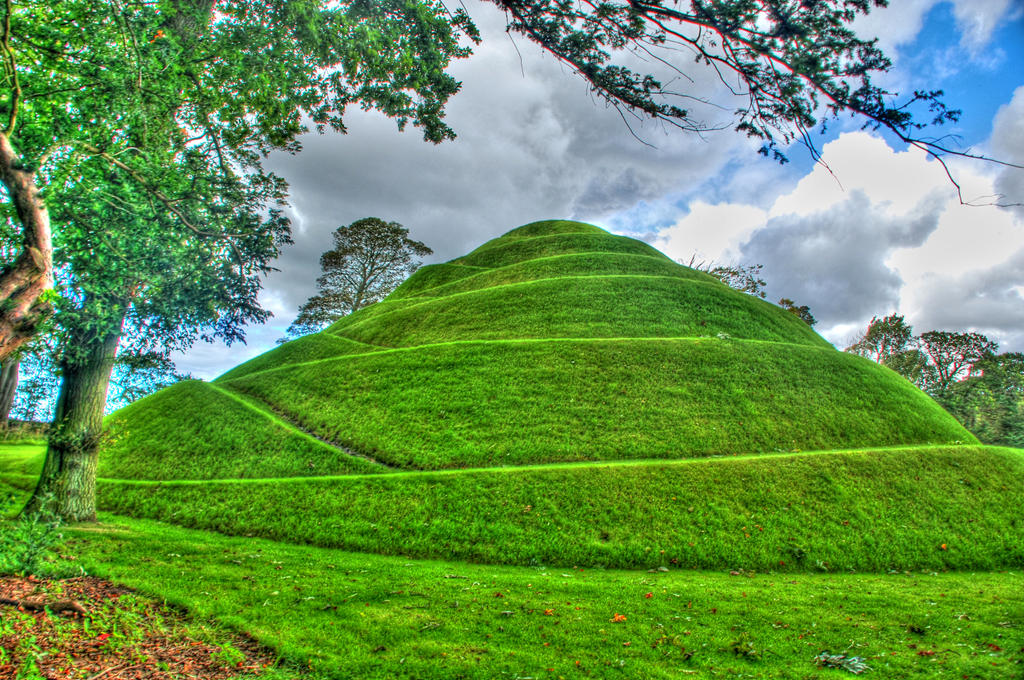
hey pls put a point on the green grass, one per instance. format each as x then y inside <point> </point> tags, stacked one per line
<point>21,459</point>
<point>501,252</point>
<point>545,228</point>
<point>307,348</point>
<point>555,266</point>
<point>347,615</point>
<point>193,430</point>
<point>616,306</point>
<point>860,510</point>
<point>480,404</point>
<point>556,342</point>
<point>876,510</point>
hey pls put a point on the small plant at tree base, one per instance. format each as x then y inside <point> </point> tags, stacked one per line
<point>27,543</point>
<point>854,664</point>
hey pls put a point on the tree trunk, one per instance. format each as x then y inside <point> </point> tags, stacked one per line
<point>8,386</point>
<point>24,280</point>
<point>68,482</point>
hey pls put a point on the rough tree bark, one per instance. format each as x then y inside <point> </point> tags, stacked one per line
<point>24,280</point>
<point>8,386</point>
<point>68,482</point>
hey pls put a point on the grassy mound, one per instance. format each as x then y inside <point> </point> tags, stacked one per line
<point>930,508</point>
<point>301,350</point>
<point>495,403</point>
<point>555,342</point>
<point>938,508</point>
<point>550,267</point>
<point>616,306</point>
<point>193,430</point>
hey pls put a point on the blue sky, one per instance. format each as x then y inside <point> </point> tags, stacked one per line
<point>888,236</point>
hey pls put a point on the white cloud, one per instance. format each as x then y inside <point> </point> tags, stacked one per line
<point>1007,143</point>
<point>978,20</point>
<point>858,161</point>
<point>895,25</point>
<point>711,233</point>
<point>891,237</point>
<point>901,21</point>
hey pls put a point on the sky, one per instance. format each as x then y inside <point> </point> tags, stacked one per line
<point>880,230</point>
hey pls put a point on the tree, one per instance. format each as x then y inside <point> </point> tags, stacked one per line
<point>792,64</point>
<point>137,86</point>
<point>960,370</point>
<point>803,312</point>
<point>952,356</point>
<point>8,387</point>
<point>369,259</point>
<point>884,339</point>
<point>144,125</point>
<point>990,402</point>
<point>140,373</point>
<point>133,280</point>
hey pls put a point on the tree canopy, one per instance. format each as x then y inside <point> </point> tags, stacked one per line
<point>959,369</point>
<point>884,338</point>
<point>145,88</point>
<point>369,259</point>
<point>794,64</point>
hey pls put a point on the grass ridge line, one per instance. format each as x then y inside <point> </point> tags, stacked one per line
<point>513,469</point>
<point>509,341</point>
<point>874,511</point>
<point>247,401</point>
<point>477,291</point>
<point>497,242</point>
<point>488,270</point>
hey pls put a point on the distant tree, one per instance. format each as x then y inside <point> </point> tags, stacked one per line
<point>960,370</point>
<point>37,389</point>
<point>990,402</point>
<point>912,364</point>
<point>952,356</point>
<point>32,355</point>
<point>369,259</point>
<point>139,374</point>
<point>884,338</point>
<point>803,312</point>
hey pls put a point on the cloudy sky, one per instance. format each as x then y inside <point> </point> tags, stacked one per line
<point>883,232</point>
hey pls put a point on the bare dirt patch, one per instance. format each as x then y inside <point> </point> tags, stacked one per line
<point>106,632</point>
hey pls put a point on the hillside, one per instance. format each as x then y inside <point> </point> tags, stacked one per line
<point>556,342</point>
<point>564,396</point>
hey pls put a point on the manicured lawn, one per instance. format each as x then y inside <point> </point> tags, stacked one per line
<point>194,430</point>
<point>349,615</point>
<point>479,404</point>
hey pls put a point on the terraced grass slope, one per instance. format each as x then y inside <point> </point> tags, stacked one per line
<point>561,395</point>
<point>556,342</point>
